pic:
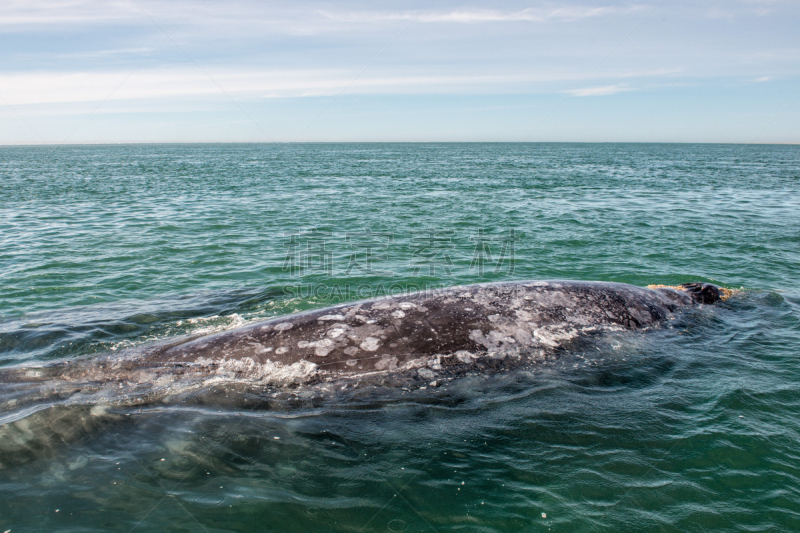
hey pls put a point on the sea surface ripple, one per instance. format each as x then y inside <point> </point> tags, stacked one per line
<point>693,427</point>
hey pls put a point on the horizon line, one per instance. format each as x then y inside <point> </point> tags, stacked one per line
<point>187,143</point>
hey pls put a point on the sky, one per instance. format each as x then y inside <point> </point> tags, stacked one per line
<point>116,71</point>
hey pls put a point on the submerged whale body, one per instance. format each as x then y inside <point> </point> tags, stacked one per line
<point>423,336</point>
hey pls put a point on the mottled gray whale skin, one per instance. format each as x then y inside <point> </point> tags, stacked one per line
<point>426,330</point>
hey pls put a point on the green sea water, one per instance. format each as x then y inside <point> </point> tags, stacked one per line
<point>690,428</point>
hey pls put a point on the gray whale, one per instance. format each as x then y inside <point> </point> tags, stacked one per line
<point>428,330</point>
<point>424,332</point>
<point>423,336</point>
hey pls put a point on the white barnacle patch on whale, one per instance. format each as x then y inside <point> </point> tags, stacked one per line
<point>335,333</point>
<point>323,347</point>
<point>351,350</point>
<point>405,306</point>
<point>498,337</point>
<point>387,362</point>
<point>283,326</point>
<point>465,356</point>
<point>398,314</point>
<point>505,338</point>
<point>554,336</point>
<point>476,335</point>
<point>370,344</point>
<point>282,350</point>
<point>269,372</point>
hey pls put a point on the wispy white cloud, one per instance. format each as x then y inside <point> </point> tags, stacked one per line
<point>48,12</point>
<point>57,87</point>
<point>31,88</point>
<point>605,90</point>
<point>567,13</point>
<point>19,14</point>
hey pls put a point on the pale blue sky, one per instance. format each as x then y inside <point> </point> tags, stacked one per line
<point>80,71</point>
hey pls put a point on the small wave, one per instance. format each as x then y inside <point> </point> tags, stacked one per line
<point>213,324</point>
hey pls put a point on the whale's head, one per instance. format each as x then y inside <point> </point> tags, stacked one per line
<point>704,293</point>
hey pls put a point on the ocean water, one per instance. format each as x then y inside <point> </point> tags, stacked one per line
<point>689,428</point>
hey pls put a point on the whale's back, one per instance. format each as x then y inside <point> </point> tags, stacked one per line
<point>526,318</point>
